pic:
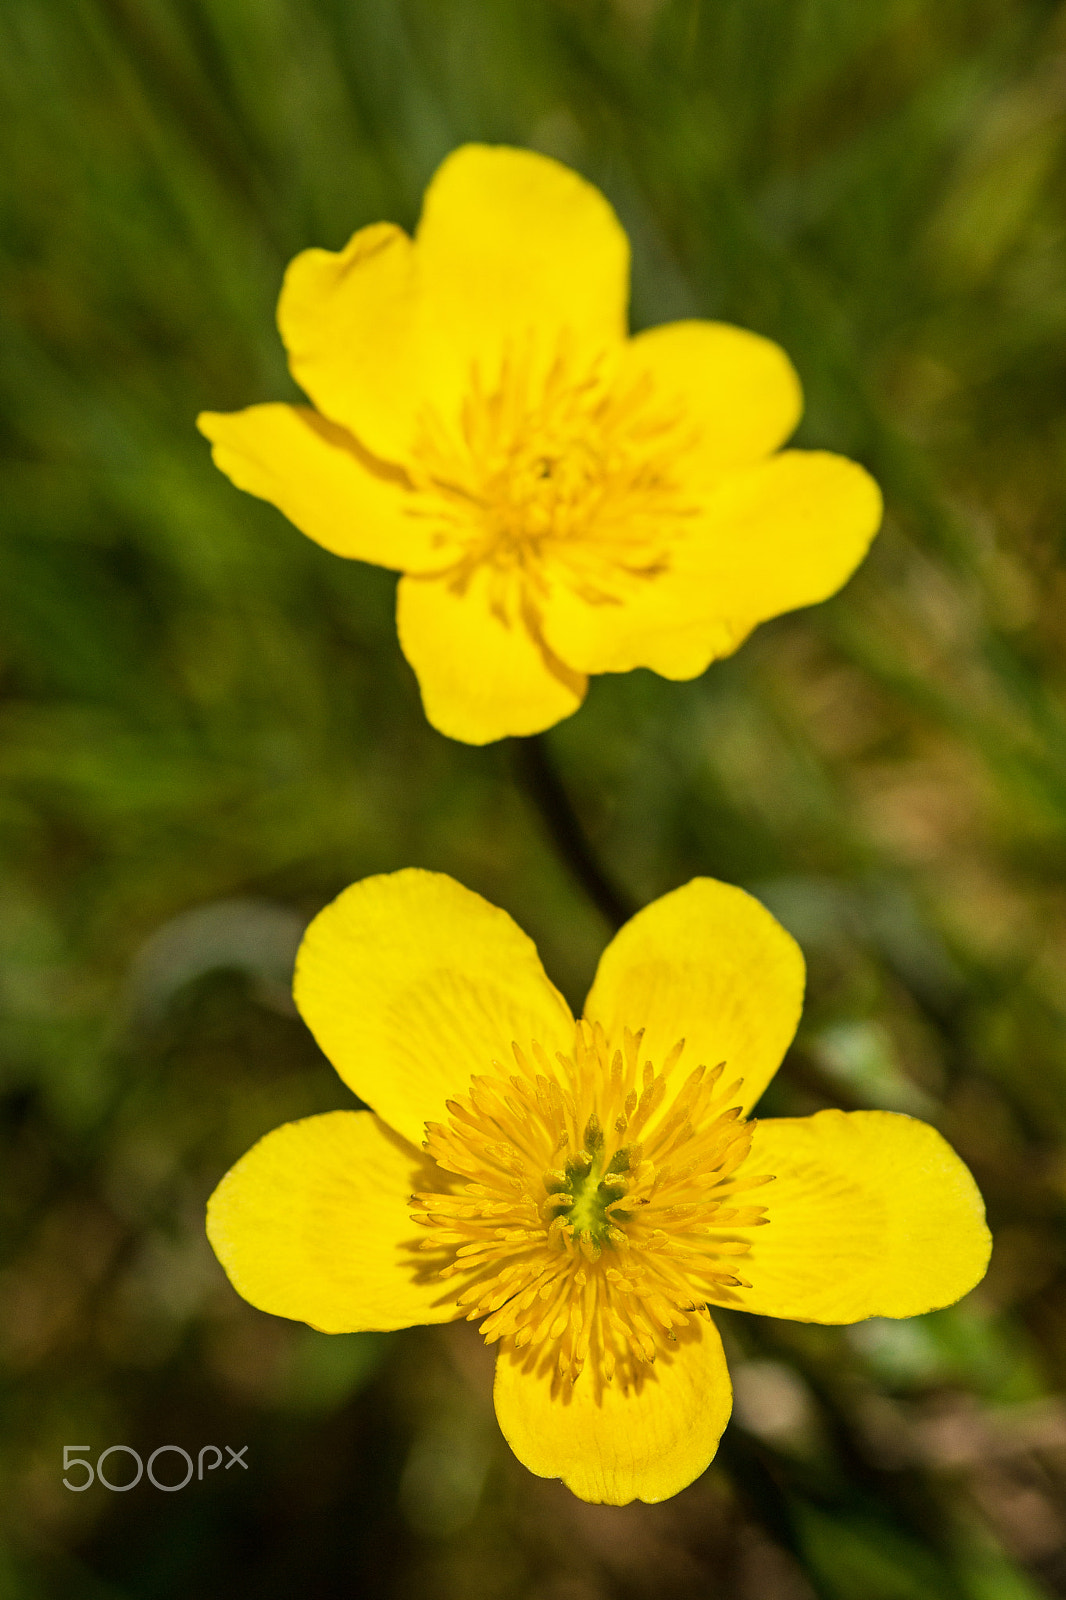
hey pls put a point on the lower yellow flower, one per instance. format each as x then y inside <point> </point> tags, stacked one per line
<point>587,1189</point>
<point>561,499</point>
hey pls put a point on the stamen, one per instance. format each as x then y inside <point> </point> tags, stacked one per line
<point>595,1244</point>
<point>560,476</point>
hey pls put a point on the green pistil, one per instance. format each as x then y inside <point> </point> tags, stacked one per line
<point>588,1186</point>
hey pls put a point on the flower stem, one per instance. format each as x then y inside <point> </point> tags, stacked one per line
<point>541,783</point>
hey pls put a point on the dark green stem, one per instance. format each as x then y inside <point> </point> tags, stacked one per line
<point>541,783</point>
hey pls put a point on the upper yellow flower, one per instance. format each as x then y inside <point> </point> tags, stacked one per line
<point>562,499</point>
<point>587,1188</point>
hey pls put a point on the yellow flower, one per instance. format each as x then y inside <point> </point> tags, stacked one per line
<point>587,1189</point>
<point>562,499</point>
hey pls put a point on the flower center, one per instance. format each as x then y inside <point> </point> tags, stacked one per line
<point>562,476</point>
<point>588,1207</point>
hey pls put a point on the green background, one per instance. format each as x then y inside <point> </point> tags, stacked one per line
<point>207,730</point>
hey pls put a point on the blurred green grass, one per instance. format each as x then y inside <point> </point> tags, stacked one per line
<point>203,714</point>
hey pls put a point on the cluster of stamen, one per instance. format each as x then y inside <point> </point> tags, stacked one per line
<point>587,1212</point>
<point>552,476</point>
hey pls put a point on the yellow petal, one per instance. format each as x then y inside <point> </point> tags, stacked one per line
<point>613,1447</point>
<point>668,624</point>
<point>786,533</point>
<point>516,255</point>
<point>410,983</point>
<point>323,481</point>
<point>871,1214</point>
<point>348,319</point>
<point>737,394</point>
<point>313,1224</point>
<point>710,965</point>
<point>481,678</point>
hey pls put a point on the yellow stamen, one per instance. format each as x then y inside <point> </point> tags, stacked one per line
<point>602,1255</point>
<point>555,476</point>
